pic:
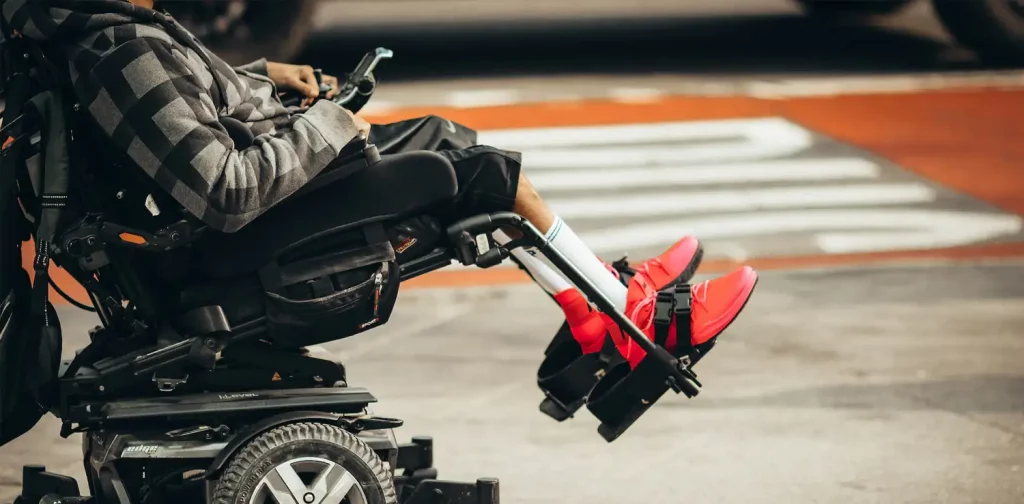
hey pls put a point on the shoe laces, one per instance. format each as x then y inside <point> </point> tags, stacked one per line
<point>699,295</point>
<point>644,304</point>
<point>646,265</point>
<point>615,273</point>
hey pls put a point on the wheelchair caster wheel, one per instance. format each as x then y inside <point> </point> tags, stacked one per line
<point>306,463</point>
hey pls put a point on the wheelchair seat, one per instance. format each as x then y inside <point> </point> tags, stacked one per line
<point>230,312</point>
<point>334,202</point>
<point>320,223</point>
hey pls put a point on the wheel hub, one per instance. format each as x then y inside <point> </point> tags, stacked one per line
<point>308,480</point>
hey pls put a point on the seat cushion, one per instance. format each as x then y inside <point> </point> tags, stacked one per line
<point>399,185</point>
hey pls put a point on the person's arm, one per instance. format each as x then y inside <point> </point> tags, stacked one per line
<point>258,67</point>
<point>146,97</point>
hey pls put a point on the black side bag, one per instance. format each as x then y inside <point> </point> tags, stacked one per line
<point>19,410</point>
<point>331,289</point>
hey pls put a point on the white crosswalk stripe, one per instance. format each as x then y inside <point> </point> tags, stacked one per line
<point>746,187</point>
<point>785,170</point>
<point>746,200</point>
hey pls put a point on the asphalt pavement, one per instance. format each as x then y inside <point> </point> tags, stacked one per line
<point>898,383</point>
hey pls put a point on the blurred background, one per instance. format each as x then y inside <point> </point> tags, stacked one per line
<point>864,155</point>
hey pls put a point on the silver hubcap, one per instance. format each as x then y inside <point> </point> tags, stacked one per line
<point>308,480</point>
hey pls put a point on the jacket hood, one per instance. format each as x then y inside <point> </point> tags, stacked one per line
<point>45,20</point>
<point>70,20</point>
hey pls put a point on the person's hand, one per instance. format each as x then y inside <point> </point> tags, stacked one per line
<point>301,79</point>
<point>332,81</point>
<point>361,124</point>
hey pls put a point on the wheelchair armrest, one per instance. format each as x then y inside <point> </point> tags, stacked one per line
<point>87,240</point>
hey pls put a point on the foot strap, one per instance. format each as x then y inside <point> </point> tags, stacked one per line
<point>674,303</point>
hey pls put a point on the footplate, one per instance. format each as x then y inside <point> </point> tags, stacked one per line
<point>566,375</point>
<point>38,485</point>
<point>418,484</point>
<point>622,395</point>
<point>484,491</point>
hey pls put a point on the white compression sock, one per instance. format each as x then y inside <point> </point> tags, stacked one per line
<point>564,240</point>
<point>547,278</point>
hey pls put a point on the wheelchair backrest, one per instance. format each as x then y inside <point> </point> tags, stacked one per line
<point>28,359</point>
<point>49,188</point>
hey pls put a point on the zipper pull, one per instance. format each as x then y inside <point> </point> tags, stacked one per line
<point>378,281</point>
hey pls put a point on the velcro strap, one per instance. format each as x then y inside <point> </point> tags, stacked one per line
<point>42,261</point>
<point>682,310</point>
<point>663,311</point>
<point>673,303</point>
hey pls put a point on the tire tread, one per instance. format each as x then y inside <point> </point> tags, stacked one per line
<point>259,447</point>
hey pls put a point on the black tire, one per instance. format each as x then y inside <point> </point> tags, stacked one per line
<point>276,31</point>
<point>992,28</point>
<point>243,478</point>
<point>846,10</point>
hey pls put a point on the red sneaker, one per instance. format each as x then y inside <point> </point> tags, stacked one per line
<point>588,327</point>
<point>715,305</point>
<point>677,264</point>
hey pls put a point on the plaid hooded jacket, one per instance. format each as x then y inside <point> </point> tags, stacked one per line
<point>161,97</point>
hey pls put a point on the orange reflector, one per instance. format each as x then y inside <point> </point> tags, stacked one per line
<point>131,238</point>
<point>7,143</point>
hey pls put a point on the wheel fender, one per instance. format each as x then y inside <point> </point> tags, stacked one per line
<point>250,432</point>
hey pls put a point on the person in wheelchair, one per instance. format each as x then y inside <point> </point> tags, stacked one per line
<point>169,104</point>
<point>220,233</point>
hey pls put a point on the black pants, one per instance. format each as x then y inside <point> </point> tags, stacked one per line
<point>487,177</point>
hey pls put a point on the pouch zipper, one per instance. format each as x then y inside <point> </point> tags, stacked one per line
<point>378,284</point>
<point>379,280</point>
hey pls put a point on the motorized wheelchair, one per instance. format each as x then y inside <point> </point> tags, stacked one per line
<point>198,385</point>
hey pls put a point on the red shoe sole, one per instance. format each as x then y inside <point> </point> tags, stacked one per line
<point>691,268</point>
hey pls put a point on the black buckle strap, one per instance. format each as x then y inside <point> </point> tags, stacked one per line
<point>675,302</point>
<point>682,311</point>
<point>663,311</point>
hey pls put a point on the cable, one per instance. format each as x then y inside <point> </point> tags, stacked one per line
<point>68,298</point>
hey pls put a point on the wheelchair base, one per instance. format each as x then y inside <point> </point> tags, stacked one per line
<point>42,487</point>
<point>177,448</point>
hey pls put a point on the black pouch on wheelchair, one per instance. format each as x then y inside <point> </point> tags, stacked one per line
<point>414,237</point>
<point>335,289</point>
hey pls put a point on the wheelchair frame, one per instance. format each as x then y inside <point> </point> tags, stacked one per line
<point>116,425</point>
<point>205,430</point>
